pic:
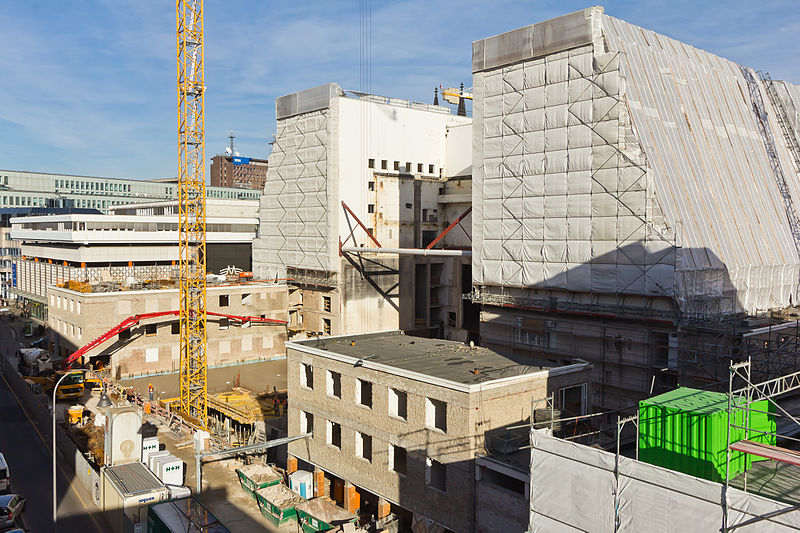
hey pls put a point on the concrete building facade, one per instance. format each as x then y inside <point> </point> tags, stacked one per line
<point>403,417</point>
<point>135,243</point>
<point>152,346</point>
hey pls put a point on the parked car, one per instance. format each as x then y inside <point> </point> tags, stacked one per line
<point>5,475</point>
<point>11,506</point>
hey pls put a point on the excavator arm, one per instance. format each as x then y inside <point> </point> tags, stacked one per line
<point>135,319</point>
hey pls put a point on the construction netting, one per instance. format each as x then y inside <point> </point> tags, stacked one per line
<point>573,488</point>
<point>294,214</point>
<point>610,159</point>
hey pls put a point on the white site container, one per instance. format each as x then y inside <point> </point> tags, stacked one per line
<point>302,482</point>
<point>149,445</point>
<point>170,470</point>
<point>151,460</point>
<point>127,490</point>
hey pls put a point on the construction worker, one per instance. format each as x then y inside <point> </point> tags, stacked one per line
<point>150,391</point>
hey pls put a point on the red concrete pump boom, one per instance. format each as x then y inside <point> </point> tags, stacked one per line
<point>135,319</point>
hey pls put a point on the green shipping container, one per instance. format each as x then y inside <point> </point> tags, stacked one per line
<point>686,430</point>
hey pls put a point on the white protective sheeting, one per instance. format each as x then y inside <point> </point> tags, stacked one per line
<point>693,115</point>
<point>295,207</point>
<point>632,169</point>
<point>573,486</point>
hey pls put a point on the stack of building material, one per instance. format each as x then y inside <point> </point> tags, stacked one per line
<point>149,445</point>
<point>169,469</point>
<point>238,404</point>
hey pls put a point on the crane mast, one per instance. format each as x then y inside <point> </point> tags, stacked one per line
<point>192,210</point>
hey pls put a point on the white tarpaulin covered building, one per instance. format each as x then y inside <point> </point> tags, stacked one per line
<point>609,159</point>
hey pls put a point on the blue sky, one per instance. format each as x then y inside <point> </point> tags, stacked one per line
<point>88,87</point>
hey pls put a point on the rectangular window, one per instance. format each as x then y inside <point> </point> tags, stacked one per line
<point>246,298</point>
<point>435,475</point>
<point>306,422</point>
<point>333,384</point>
<point>573,400</point>
<point>333,436</point>
<point>80,333</point>
<point>408,166</point>
<point>364,393</point>
<point>223,300</point>
<point>370,185</point>
<point>326,326</point>
<point>419,168</point>
<point>370,208</point>
<point>384,164</point>
<point>175,328</point>
<point>371,163</point>
<point>398,403</point>
<point>364,446</point>
<point>397,165</point>
<point>397,459</point>
<point>151,329</point>
<point>436,414</point>
<point>306,375</point>
<point>78,308</point>
<point>224,323</point>
<point>326,304</point>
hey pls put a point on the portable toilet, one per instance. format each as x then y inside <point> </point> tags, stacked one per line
<point>302,482</point>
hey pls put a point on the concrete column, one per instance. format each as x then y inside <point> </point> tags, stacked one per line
<point>384,508</point>
<point>352,500</point>
<point>291,464</point>
<point>319,483</point>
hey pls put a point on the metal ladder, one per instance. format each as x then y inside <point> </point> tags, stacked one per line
<point>772,155</point>
<point>783,117</point>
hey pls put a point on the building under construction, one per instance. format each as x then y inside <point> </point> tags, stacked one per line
<point>633,196</point>
<point>359,188</point>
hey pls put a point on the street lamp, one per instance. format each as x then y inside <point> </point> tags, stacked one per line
<point>104,402</point>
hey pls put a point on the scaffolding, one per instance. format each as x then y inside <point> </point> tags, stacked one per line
<point>742,393</point>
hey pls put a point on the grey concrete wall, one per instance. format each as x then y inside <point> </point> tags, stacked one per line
<point>626,354</point>
<point>500,510</point>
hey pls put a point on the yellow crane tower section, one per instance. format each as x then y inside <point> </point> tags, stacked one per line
<point>192,210</point>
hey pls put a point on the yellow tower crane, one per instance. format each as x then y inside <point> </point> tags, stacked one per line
<point>192,210</point>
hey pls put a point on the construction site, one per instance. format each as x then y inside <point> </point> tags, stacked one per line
<point>562,299</point>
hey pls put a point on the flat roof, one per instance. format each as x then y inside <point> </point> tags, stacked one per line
<point>449,363</point>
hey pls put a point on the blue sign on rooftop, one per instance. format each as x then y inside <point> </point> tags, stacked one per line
<point>241,160</point>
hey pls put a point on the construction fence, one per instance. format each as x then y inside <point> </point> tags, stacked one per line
<point>578,488</point>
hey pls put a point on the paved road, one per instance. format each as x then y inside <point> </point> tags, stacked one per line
<point>30,463</point>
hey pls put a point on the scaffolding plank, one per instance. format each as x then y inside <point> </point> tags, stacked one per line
<point>775,453</point>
